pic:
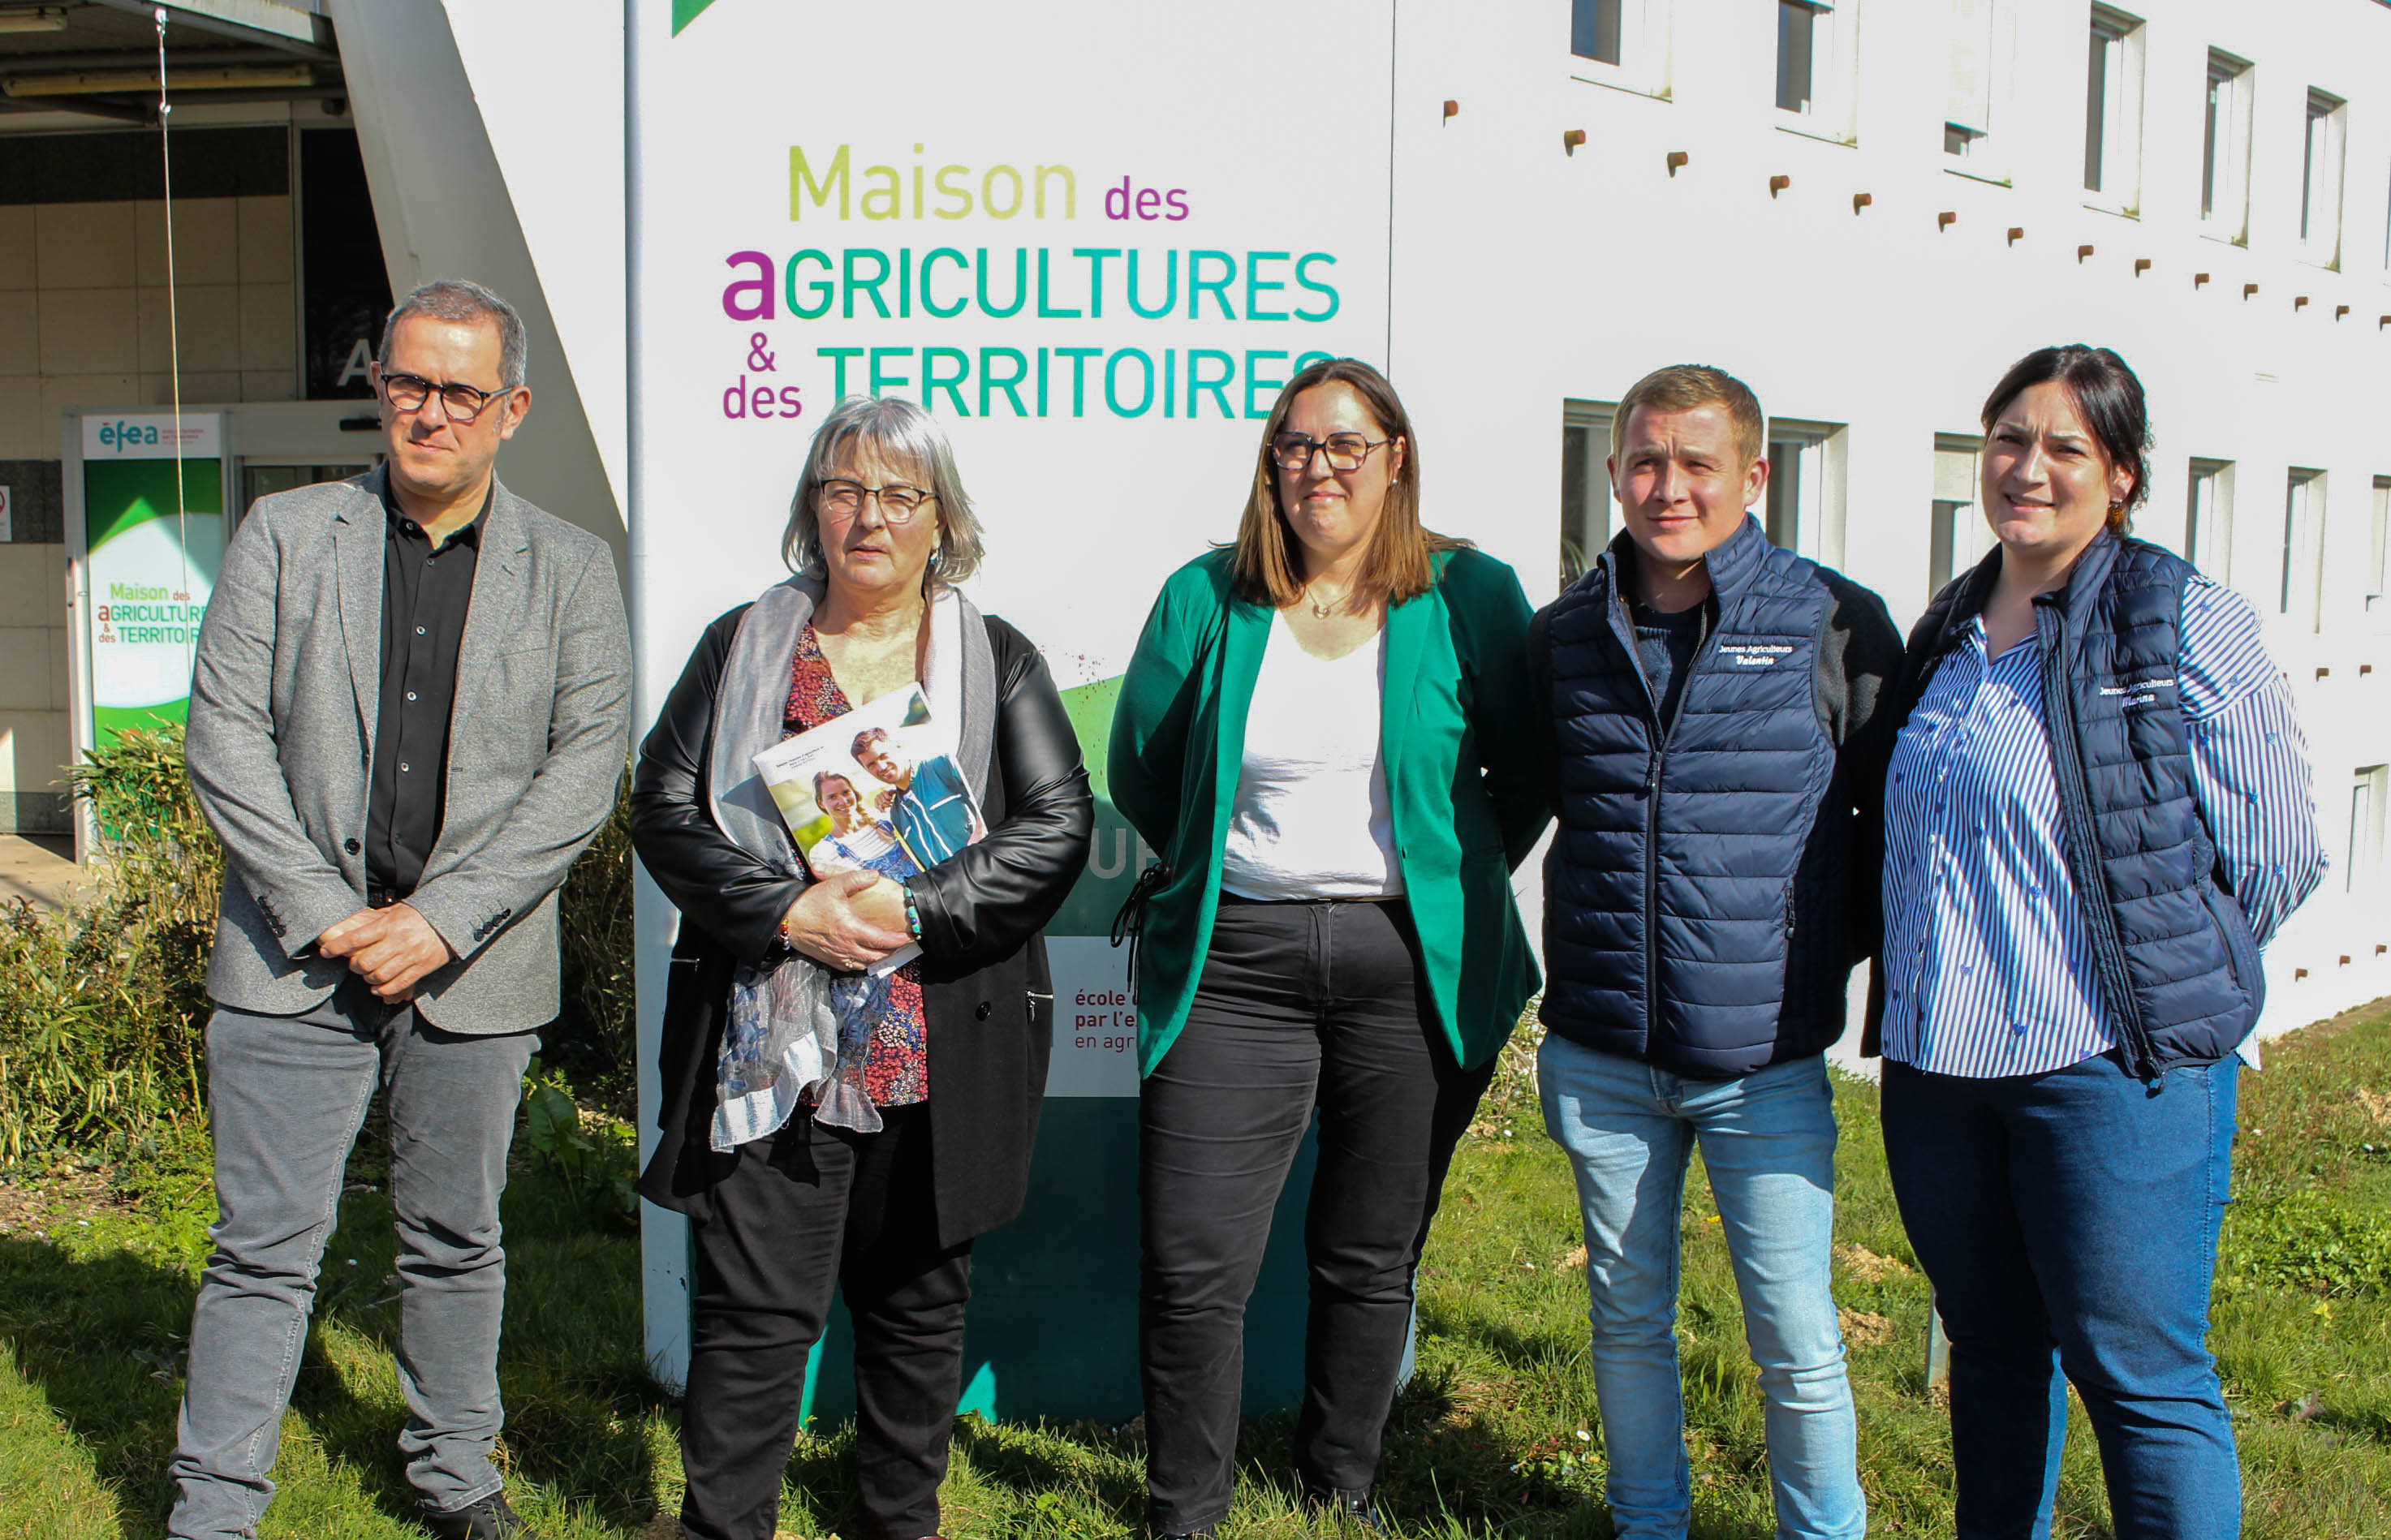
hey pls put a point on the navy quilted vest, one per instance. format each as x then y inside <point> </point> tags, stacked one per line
<point>1696,910</point>
<point>2179,970</point>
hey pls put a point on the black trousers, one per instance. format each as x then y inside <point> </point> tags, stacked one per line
<point>1299,1005</point>
<point>808,1208</point>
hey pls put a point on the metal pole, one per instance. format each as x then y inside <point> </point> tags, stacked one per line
<point>1938,1352</point>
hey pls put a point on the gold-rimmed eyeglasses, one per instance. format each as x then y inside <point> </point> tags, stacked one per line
<point>899,503</point>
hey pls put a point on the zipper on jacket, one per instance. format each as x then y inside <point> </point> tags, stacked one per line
<point>1652,891</point>
<point>2092,880</point>
<point>1652,844</point>
<point>1623,626</point>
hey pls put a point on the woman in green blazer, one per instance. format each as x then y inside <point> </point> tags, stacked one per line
<point>1323,733</point>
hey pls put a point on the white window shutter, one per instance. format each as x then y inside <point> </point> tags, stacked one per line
<point>1972,66</point>
<point>1955,476</point>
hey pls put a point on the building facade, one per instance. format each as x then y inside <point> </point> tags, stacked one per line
<point>1868,209</point>
<point>317,155</point>
<point>1865,208</point>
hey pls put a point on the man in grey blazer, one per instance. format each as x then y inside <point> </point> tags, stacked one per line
<point>407,717</point>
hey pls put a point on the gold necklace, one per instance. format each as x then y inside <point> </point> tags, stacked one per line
<point>1323,611</point>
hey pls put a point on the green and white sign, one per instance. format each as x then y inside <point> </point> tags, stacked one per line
<point>153,535</point>
<point>1067,232</point>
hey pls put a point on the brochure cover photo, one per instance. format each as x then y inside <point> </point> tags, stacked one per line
<point>874,790</point>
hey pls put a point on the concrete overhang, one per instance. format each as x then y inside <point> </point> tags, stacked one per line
<point>98,58</point>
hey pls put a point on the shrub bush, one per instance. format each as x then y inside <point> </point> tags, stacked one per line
<point>593,1157</point>
<point>160,855</point>
<point>597,1036</point>
<point>103,1005</point>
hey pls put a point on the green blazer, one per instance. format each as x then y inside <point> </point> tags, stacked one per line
<point>1467,803</point>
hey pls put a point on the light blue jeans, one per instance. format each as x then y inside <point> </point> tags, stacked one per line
<point>1768,1140</point>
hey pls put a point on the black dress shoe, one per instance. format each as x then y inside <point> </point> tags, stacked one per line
<point>490,1519</point>
<point>1352,1509</point>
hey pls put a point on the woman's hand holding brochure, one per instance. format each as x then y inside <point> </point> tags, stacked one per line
<point>848,923</point>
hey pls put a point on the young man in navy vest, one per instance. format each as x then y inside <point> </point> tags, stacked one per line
<point>1709,889</point>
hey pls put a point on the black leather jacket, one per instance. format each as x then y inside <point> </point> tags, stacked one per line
<point>987,996</point>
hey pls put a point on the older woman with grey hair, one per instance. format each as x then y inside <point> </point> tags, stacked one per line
<point>831,1120</point>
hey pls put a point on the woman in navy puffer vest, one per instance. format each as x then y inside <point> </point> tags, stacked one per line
<point>2097,809</point>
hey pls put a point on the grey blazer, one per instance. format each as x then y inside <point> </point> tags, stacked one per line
<point>285,698</point>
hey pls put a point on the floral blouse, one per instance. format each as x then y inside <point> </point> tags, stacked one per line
<point>897,1063</point>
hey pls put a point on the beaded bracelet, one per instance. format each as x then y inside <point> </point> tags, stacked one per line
<point>913,915</point>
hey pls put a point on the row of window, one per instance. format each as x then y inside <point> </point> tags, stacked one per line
<point>1804,504</point>
<point>2368,796</point>
<point>1817,59</point>
<point>2112,118</point>
<point>1804,512</point>
<point>2298,591</point>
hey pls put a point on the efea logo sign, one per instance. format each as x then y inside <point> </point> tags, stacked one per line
<point>153,436</point>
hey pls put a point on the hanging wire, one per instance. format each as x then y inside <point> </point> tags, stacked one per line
<point>174,325</point>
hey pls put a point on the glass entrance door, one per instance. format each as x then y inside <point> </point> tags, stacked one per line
<point>265,478</point>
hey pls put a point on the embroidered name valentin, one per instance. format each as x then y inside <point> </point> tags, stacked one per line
<point>1756,654</point>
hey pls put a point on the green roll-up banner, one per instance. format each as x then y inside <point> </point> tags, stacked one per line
<point>153,533</point>
<point>1096,278</point>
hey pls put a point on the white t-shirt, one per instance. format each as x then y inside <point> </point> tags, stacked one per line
<point>1312,818</point>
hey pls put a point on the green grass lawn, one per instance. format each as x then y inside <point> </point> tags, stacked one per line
<point>1495,1434</point>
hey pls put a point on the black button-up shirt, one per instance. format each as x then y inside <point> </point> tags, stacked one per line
<point>424,596</point>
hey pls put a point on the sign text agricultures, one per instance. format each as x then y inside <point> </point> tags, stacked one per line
<point>1136,367</point>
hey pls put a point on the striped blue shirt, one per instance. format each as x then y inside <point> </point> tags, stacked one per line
<point>934,817</point>
<point>1988,966</point>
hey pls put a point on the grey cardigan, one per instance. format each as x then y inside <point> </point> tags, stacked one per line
<point>285,696</point>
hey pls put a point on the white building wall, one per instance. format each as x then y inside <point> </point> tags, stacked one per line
<point>1526,273</point>
<point>492,137</point>
<point>557,134</point>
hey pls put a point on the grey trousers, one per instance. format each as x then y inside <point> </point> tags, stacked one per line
<point>286,1098</point>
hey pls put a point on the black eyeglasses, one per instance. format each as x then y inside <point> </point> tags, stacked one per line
<point>1345,450</point>
<point>463,403</point>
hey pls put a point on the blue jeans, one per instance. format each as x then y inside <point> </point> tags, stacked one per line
<point>2068,1222</point>
<point>1768,1139</point>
